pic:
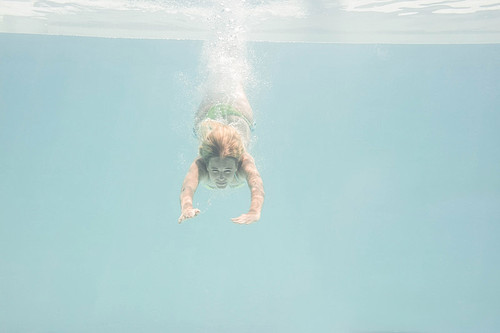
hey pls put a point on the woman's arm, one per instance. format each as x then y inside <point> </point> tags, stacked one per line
<point>256,189</point>
<point>189,186</point>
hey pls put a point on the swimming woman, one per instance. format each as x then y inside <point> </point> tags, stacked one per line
<point>223,124</point>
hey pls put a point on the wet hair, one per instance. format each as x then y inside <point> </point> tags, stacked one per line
<point>219,140</point>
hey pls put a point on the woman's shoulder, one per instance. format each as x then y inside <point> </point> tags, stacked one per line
<point>202,168</point>
<point>246,159</point>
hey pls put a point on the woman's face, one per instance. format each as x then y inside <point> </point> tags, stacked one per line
<point>221,170</point>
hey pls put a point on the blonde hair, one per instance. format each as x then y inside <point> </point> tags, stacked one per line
<point>219,140</point>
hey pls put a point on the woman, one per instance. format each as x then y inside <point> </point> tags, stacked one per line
<point>223,125</point>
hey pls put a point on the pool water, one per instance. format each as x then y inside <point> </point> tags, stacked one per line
<point>380,164</point>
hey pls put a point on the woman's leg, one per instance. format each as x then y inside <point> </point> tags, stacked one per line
<point>241,103</point>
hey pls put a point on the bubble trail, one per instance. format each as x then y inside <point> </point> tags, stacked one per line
<point>225,68</point>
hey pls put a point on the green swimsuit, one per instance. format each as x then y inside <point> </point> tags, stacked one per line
<point>222,111</point>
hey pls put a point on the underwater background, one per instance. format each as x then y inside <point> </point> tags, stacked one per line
<point>380,164</point>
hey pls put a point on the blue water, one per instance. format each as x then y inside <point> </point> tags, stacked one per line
<point>380,164</point>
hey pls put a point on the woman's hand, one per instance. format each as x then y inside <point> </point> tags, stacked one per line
<point>256,189</point>
<point>188,213</point>
<point>246,218</point>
